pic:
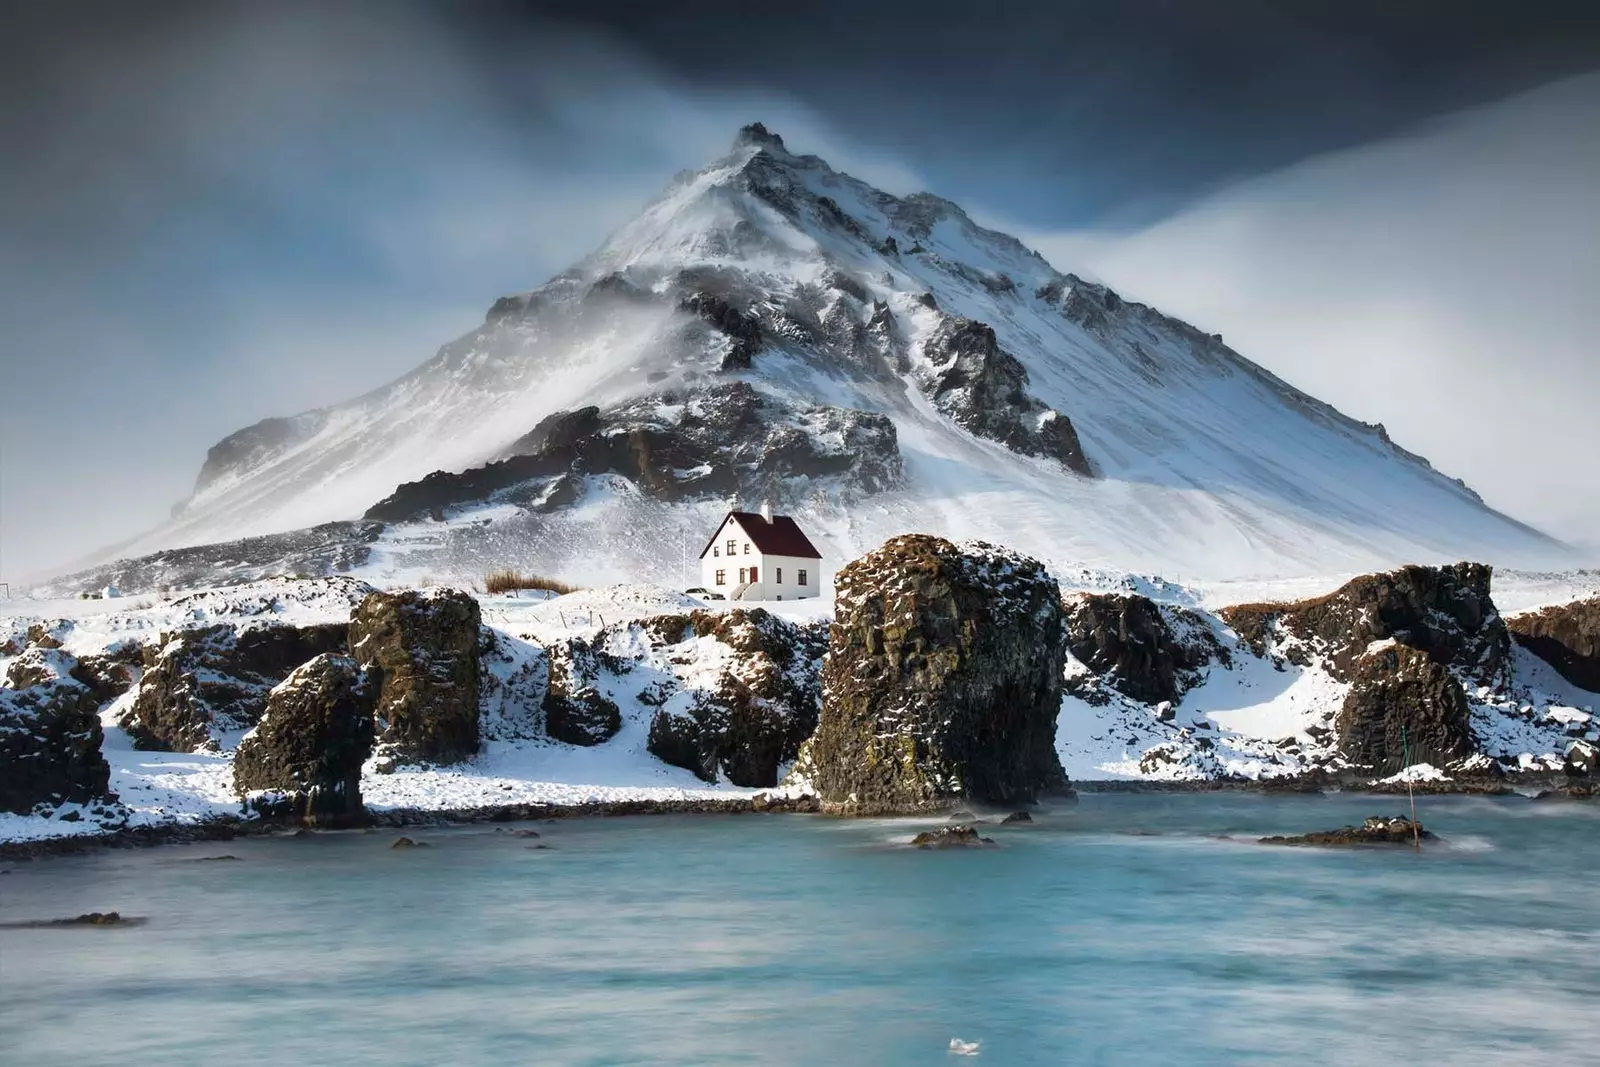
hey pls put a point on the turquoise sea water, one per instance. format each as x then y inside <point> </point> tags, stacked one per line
<point>1115,931</point>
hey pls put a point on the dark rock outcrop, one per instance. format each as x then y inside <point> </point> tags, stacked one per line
<point>50,735</point>
<point>1566,636</point>
<point>1379,830</point>
<point>1400,688</point>
<point>951,837</point>
<point>762,706</point>
<point>304,759</point>
<point>942,680</point>
<point>984,389</point>
<point>575,710</point>
<point>212,679</point>
<point>1128,641</point>
<point>421,647</point>
<point>726,440</point>
<point>1445,612</point>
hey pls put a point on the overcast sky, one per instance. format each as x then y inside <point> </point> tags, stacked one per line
<point>212,213</point>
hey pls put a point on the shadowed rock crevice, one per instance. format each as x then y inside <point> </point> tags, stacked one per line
<point>1567,637</point>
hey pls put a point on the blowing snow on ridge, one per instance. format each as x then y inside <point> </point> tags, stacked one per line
<point>772,328</point>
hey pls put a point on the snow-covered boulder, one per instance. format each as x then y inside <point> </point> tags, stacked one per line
<point>50,735</point>
<point>1566,636</point>
<point>201,683</point>
<point>304,759</point>
<point>575,710</point>
<point>942,680</point>
<point>1396,687</point>
<point>1149,652</point>
<point>1445,612</point>
<point>757,708</point>
<point>422,648</point>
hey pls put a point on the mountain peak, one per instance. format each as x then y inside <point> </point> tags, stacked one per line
<point>756,133</point>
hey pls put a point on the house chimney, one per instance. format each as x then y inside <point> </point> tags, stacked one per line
<point>766,510</point>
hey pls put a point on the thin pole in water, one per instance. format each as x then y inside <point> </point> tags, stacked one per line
<point>1405,755</point>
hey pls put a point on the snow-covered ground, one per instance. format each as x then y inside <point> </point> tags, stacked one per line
<point>1254,718</point>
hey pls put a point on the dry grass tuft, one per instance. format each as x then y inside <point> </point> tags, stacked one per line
<point>510,580</point>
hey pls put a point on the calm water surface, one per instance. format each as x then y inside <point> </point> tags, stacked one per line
<point>1118,931</point>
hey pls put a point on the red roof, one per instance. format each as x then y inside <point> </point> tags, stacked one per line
<point>780,537</point>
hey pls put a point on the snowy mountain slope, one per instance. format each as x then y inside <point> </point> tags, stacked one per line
<point>1004,380</point>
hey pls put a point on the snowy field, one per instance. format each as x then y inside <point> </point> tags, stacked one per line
<point>1252,719</point>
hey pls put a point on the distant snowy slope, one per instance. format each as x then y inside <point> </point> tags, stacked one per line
<point>1004,381</point>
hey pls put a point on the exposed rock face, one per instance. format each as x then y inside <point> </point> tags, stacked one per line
<point>200,683</point>
<point>984,388</point>
<point>575,710</point>
<point>421,647</point>
<point>1401,687</point>
<point>1444,611</point>
<point>761,707</point>
<point>1567,637</point>
<point>728,440</point>
<point>1130,643</point>
<point>942,680</point>
<point>240,451</point>
<point>49,735</point>
<point>307,752</point>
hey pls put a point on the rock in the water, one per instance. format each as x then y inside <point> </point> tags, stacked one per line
<point>1379,830</point>
<point>575,710</point>
<point>1397,687</point>
<point>1566,636</point>
<point>50,735</point>
<point>1016,817</point>
<point>421,646</point>
<point>406,842</point>
<point>305,757</point>
<point>942,680</point>
<point>761,707</point>
<point>951,837</point>
<point>1444,611</point>
<point>1127,640</point>
<point>202,682</point>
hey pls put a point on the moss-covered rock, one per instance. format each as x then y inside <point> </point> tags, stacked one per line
<point>421,647</point>
<point>304,759</point>
<point>942,680</point>
<point>1399,688</point>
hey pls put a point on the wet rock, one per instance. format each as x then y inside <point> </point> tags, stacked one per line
<point>304,760</point>
<point>984,389</point>
<point>1397,688</point>
<point>406,842</point>
<point>1379,830</point>
<point>761,707</point>
<point>50,735</point>
<point>1016,817</point>
<point>421,649</point>
<point>575,710</point>
<point>200,683</point>
<point>1446,612</point>
<point>1130,643</point>
<point>942,680</point>
<point>1566,636</point>
<point>951,837</point>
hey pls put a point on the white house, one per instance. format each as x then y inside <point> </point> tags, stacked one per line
<point>761,556</point>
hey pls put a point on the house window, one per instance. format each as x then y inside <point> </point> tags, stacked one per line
<point>715,551</point>
<point>733,547</point>
<point>777,575</point>
<point>800,579</point>
<point>722,577</point>
<point>747,549</point>
<point>741,575</point>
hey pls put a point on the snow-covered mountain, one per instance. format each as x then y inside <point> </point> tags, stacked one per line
<point>770,327</point>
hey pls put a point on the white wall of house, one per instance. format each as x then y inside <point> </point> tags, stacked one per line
<point>777,577</point>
